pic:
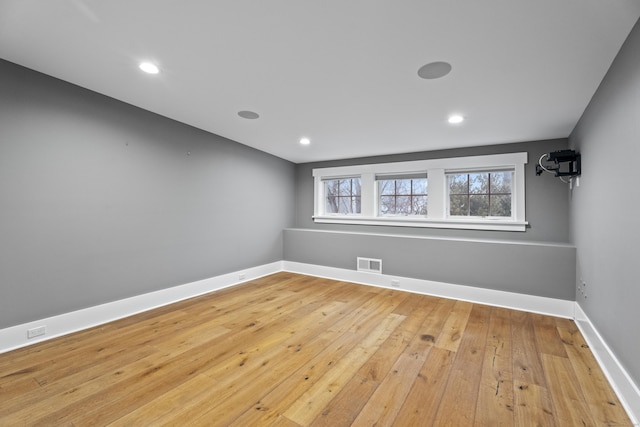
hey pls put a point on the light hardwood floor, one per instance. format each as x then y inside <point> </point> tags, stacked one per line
<point>292,350</point>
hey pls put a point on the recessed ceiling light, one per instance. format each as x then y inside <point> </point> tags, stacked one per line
<point>251,115</point>
<point>149,68</point>
<point>455,119</point>
<point>305,141</point>
<point>434,70</point>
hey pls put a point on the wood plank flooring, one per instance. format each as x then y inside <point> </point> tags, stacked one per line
<point>292,350</point>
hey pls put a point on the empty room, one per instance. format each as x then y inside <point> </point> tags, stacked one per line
<point>319,213</point>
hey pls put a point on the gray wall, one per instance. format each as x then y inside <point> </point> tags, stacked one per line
<point>605,208</point>
<point>539,261</point>
<point>100,200</point>
<point>546,270</point>
<point>547,204</point>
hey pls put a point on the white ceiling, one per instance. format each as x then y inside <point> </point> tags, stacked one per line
<point>343,73</point>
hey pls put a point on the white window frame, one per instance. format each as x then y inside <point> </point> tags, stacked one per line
<point>437,192</point>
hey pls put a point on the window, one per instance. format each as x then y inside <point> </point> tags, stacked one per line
<point>402,195</point>
<point>342,196</point>
<point>479,192</point>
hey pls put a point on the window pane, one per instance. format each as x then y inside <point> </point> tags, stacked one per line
<point>331,187</point>
<point>459,205</point>
<point>478,183</point>
<point>501,182</point>
<point>487,194</point>
<point>458,183</point>
<point>478,205</point>
<point>402,196</point>
<point>403,186</point>
<point>501,205</point>
<point>345,205</point>
<point>419,205</point>
<point>331,205</point>
<point>345,187</point>
<point>419,186</point>
<point>403,205</point>
<point>387,205</point>
<point>356,204</point>
<point>387,187</point>
<point>342,196</point>
<point>356,186</point>
<point>331,192</point>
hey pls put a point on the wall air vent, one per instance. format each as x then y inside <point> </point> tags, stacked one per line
<point>370,265</point>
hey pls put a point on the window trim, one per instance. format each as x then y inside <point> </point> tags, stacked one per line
<point>437,192</point>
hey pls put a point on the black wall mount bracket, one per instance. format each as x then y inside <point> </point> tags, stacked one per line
<point>565,163</point>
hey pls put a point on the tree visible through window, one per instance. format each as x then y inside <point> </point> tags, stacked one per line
<point>402,196</point>
<point>480,194</point>
<point>342,196</point>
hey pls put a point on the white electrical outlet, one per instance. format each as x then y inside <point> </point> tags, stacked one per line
<point>582,288</point>
<point>36,332</point>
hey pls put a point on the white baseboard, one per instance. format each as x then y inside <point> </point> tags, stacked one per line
<point>16,336</point>
<point>531,303</point>
<point>622,384</point>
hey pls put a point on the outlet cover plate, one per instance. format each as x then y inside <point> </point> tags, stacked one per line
<point>36,332</point>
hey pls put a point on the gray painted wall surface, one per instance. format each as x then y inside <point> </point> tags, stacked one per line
<point>101,201</point>
<point>546,270</point>
<point>547,203</point>
<point>604,209</point>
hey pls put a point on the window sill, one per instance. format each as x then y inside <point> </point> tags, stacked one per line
<point>464,224</point>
